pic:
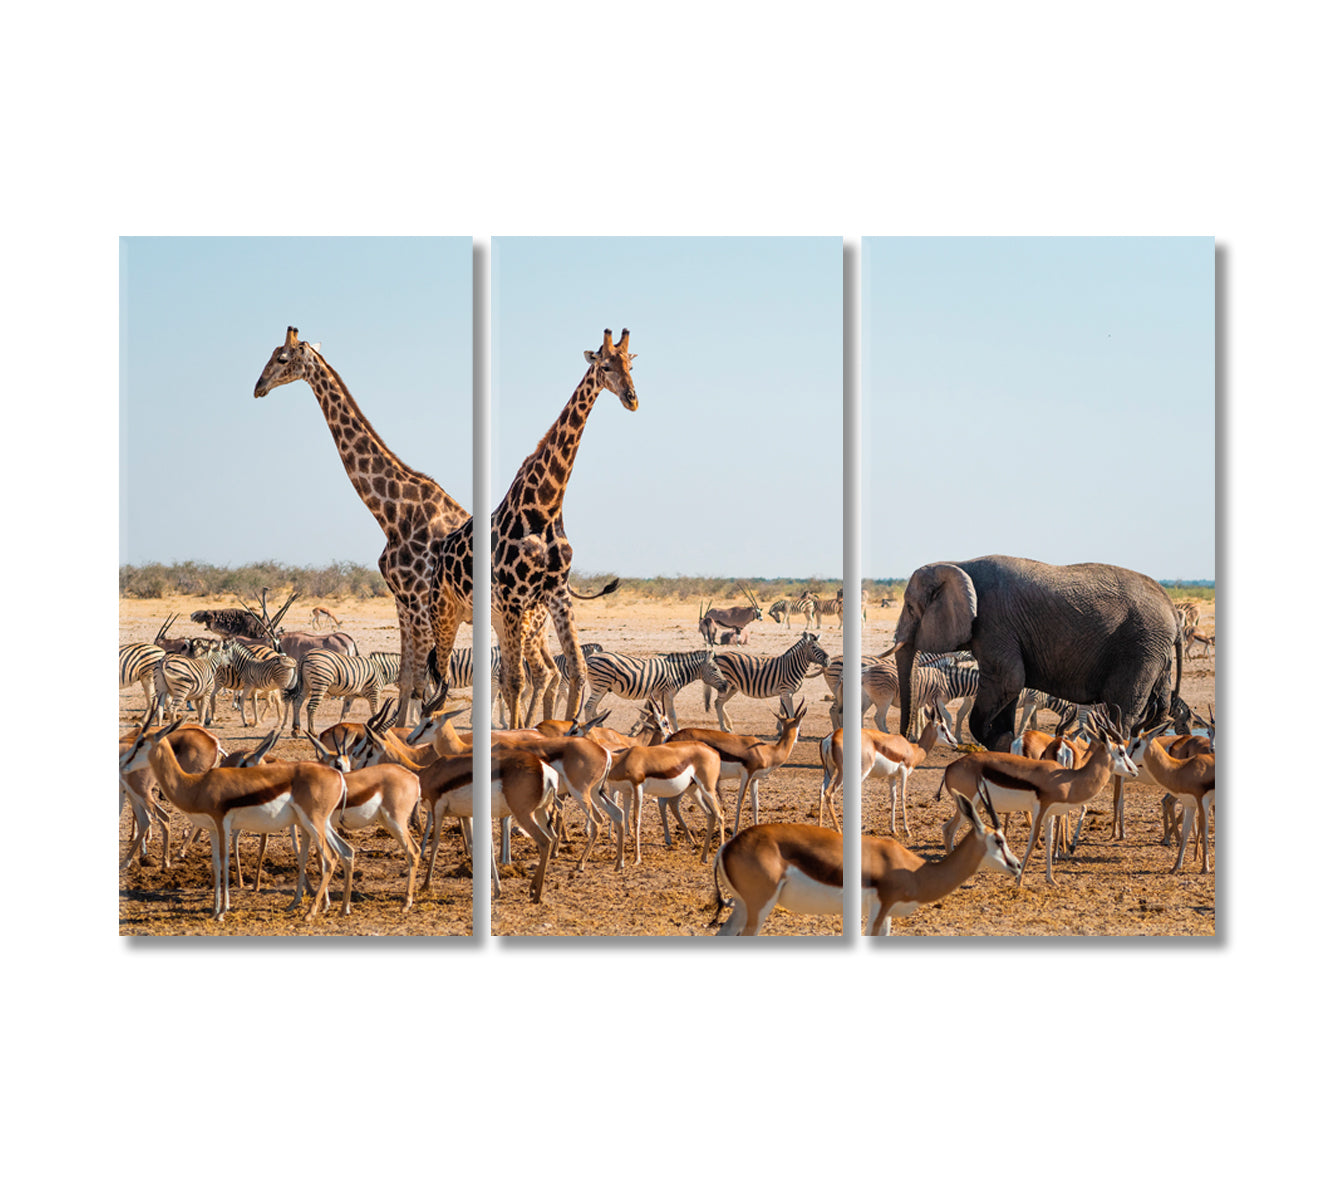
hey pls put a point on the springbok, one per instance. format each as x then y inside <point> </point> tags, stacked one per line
<point>800,868</point>
<point>263,799</point>
<point>883,756</point>
<point>1040,788</point>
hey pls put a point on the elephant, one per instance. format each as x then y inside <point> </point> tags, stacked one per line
<point>1087,632</point>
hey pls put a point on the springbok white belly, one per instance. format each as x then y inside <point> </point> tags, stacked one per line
<point>272,816</point>
<point>673,785</point>
<point>799,893</point>
<point>1011,800</point>
<point>360,815</point>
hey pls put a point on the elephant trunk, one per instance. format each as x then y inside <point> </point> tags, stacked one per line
<point>903,659</point>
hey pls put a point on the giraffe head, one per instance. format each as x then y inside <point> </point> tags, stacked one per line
<point>287,363</point>
<point>611,367</point>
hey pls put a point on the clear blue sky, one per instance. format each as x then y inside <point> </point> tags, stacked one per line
<point>1051,398</point>
<point>732,465</point>
<point>212,474</point>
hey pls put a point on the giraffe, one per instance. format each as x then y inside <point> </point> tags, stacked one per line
<point>530,555</point>
<point>415,513</point>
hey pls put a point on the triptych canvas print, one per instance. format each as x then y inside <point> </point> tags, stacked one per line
<point>649,624</point>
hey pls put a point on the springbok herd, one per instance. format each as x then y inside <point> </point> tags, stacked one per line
<point>771,757</point>
<point>407,770</point>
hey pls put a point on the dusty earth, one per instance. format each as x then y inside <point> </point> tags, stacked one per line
<point>179,899</point>
<point>1116,888</point>
<point>1109,888</point>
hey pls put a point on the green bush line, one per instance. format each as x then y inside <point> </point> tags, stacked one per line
<point>344,580</point>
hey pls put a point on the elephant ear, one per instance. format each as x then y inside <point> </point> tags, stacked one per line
<point>947,603</point>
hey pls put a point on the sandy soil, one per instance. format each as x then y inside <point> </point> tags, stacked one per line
<point>1118,888</point>
<point>179,898</point>
<point>1109,888</point>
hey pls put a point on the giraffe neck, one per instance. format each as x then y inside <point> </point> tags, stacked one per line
<point>387,485</point>
<point>539,487</point>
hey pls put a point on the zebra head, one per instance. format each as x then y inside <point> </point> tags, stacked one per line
<point>814,652</point>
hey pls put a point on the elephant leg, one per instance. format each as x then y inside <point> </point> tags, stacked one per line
<point>992,719</point>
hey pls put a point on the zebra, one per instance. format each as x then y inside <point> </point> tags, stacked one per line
<point>327,672</point>
<point>833,677</point>
<point>880,684</point>
<point>961,681</point>
<point>783,611</point>
<point>656,677</point>
<point>825,608</point>
<point>763,676</point>
<point>178,679</point>
<point>137,663</point>
<point>1188,615</point>
<point>253,672</point>
<point>1031,702</point>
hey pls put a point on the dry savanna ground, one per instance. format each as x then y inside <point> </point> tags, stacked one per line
<point>178,899</point>
<point>1117,888</point>
<point>1110,887</point>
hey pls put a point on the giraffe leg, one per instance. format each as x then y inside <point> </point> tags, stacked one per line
<point>563,619</point>
<point>509,633</point>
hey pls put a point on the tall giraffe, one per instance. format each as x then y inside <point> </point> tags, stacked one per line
<point>530,555</point>
<point>414,511</point>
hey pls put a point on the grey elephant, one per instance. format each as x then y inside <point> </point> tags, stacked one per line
<point>1088,632</point>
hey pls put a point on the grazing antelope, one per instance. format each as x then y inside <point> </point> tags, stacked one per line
<point>1189,780</point>
<point>1194,637</point>
<point>262,799</point>
<point>763,677</point>
<point>197,750</point>
<point>319,615</point>
<point>737,617</point>
<point>671,769</point>
<point>800,868</point>
<point>1040,788</point>
<point>385,795</point>
<point>883,756</point>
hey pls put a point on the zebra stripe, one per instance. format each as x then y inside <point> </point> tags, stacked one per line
<point>825,608</point>
<point>650,677</point>
<point>179,678</point>
<point>255,672</point>
<point>326,672</point>
<point>1031,703</point>
<point>764,676</point>
<point>783,611</point>
<point>137,663</point>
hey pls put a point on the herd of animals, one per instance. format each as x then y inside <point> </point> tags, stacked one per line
<point>1101,646</point>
